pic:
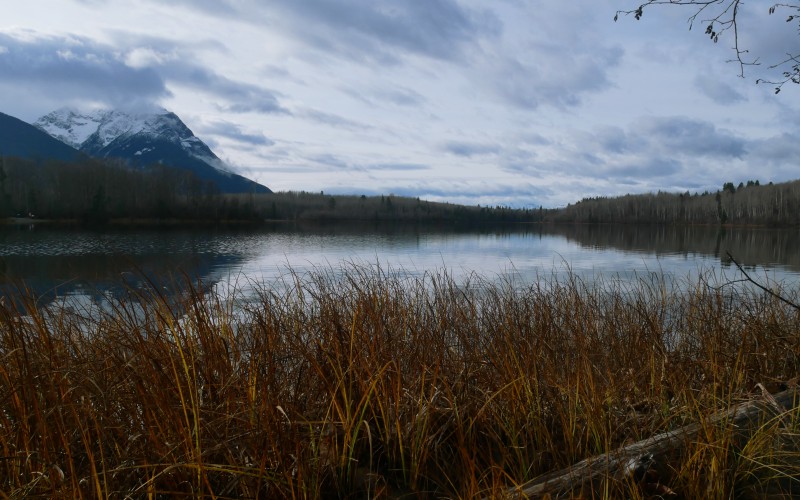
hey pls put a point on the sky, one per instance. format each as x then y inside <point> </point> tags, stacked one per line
<point>501,102</point>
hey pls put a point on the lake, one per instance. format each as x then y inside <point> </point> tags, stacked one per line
<point>56,261</point>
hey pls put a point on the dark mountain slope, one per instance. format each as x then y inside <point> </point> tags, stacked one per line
<point>23,140</point>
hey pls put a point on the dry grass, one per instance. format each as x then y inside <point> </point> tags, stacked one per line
<point>359,383</point>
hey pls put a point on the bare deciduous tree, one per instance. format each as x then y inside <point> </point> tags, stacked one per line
<point>722,17</point>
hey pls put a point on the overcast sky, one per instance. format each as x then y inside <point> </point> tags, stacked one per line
<point>507,102</point>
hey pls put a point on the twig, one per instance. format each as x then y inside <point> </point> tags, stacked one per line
<point>759,285</point>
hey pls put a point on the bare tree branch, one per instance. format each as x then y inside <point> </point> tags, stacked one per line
<point>759,285</point>
<point>724,16</point>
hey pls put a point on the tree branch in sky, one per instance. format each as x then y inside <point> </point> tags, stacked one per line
<point>720,16</point>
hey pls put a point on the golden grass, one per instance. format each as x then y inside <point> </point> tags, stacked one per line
<point>363,383</point>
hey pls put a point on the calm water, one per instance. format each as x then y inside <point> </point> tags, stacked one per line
<point>57,262</point>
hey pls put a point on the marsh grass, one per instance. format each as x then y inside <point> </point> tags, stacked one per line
<point>364,383</point>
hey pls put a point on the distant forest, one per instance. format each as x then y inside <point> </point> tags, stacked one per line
<point>750,203</point>
<point>96,192</point>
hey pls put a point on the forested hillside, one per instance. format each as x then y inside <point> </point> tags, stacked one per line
<point>98,191</point>
<point>751,203</point>
<point>294,205</point>
<point>95,191</point>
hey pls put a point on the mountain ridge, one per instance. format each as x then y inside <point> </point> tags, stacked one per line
<point>143,139</point>
<point>19,138</point>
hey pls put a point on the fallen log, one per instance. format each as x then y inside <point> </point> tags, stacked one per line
<point>632,460</point>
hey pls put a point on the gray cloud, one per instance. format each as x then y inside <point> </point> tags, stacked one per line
<point>399,167</point>
<point>73,69</point>
<point>767,38</point>
<point>717,90</point>
<point>649,168</point>
<point>398,96</point>
<point>682,136</point>
<point>380,31</point>
<point>558,76</point>
<point>330,119</point>
<point>776,150</point>
<point>341,164</point>
<point>434,28</point>
<point>549,60</point>
<point>613,140</point>
<point>534,139</point>
<point>234,132</point>
<point>470,193</point>
<point>650,154</point>
<point>237,97</point>
<point>331,160</point>
<point>401,96</point>
<point>525,195</point>
<point>470,149</point>
<point>77,69</point>
<point>175,62</point>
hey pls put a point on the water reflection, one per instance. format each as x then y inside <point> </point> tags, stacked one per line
<point>93,265</point>
<point>749,246</point>
<point>60,262</point>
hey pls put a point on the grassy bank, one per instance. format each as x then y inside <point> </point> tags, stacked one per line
<point>370,384</point>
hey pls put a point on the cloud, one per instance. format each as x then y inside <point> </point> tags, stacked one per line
<point>330,160</point>
<point>717,90</point>
<point>470,149</point>
<point>650,154</point>
<point>552,76</point>
<point>440,29</point>
<point>177,62</point>
<point>378,31</point>
<point>395,95</point>
<point>767,38</point>
<point>341,164</point>
<point>689,136</point>
<point>612,140</point>
<point>648,168</point>
<point>475,193</point>
<point>330,119</point>
<point>234,132</point>
<point>73,69</point>
<point>396,167</point>
<point>543,61</point>
<point>235,97</point>
<point>777,150</point>
<point>79,70</point>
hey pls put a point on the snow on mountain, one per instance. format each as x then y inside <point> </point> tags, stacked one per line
<point>96,131</point>
<point>144,139</point>
<point>69,126</point>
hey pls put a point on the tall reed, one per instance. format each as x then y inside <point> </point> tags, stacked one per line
<point>363,382</point>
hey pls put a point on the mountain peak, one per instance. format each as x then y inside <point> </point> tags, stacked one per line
<point>142,138</point>
<point>69,125</point>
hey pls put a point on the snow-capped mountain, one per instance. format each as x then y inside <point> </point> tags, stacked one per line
<point>69,126</point>
<point>143,139</point>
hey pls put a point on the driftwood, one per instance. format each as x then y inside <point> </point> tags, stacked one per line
<point>629,461</point>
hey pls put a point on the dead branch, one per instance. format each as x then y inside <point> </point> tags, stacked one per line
<point>624,463</point>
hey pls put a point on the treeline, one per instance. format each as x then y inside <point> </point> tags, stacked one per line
<point>98,191</point>
<point>95,192</point>
<point>751,203</point>
<point>301,205</point>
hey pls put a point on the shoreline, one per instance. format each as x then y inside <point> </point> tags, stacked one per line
<point>176,222</point>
